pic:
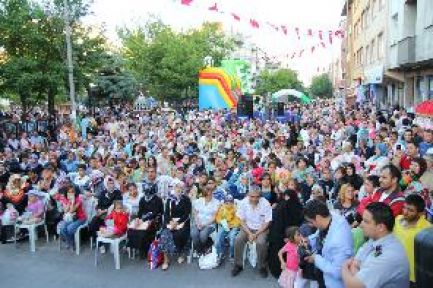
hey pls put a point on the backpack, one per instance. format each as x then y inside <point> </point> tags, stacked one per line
<point>154,256</point>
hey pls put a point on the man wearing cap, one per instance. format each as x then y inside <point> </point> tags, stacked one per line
<point>255,214</point>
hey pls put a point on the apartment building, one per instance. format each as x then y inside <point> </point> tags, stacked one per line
<point>410,48</point>
<point>366,56</point>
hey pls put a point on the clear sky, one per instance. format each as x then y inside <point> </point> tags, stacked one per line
<point>315,14</point>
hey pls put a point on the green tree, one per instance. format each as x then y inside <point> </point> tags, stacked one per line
<point>166,62</point>
<point>273,81</point>
<point>114,82</point>
<point>32,37</point>
<point>321,86</point>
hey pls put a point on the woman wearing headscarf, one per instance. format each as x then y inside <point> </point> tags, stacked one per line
<point>143,228</point>
<point>375,163</point>
<point>176,228</point>
<point>287,213</point>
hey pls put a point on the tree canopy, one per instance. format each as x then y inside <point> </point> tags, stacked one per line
<point>321,86</point>
<point>273,81</point>
<point>32,38</point>
<point>167,62</point>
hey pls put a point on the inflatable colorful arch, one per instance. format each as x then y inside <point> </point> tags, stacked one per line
<point>218,89</point>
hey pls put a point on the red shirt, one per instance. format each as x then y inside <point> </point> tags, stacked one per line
<point>120,222</point>
<point>395,200</point>
<point>81,214</point>
<point>405,162</point>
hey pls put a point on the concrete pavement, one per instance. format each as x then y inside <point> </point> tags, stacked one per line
<point>48,267</point>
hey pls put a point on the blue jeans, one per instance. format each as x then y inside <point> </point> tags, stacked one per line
<point>200,238</point>
<point>222,235</point>
<point>68,230</point>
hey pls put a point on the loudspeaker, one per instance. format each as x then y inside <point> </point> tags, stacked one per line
<point>280,109</point>
<point>245,106</point>
<point>424,258</point>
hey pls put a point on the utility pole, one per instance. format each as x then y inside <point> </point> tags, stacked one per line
<point>69,60</point>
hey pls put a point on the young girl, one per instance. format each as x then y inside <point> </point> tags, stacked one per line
<point>291,265</point>
<point>120,221</point>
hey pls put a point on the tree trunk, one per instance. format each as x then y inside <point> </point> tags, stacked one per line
<point>23,100</point>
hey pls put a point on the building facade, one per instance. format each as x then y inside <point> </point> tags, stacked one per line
<point>410,48</point>
<point>366,56</point>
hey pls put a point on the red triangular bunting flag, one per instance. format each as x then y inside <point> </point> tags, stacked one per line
<point>186,2</point>
<point>293,56</point>
<point>236,17</point>
<point>320,35</point>
<point>318,69</point>
<point>284,29</point>
<point>323,44</point>
<point>297,33</point>
<point>214,7</point>
<point>254,23</point>
<point>312,49</point>
<point>310,32</point>
<point>330,37</point>
<point>301,52</point>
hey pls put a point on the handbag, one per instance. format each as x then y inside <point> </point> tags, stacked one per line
<point>154,256</point>
<point>252,253</point>
<point>208,261</point>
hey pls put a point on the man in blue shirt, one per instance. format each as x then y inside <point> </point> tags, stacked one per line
<point>427,143</point>
<point>332,243</point>
<point>381,262</point>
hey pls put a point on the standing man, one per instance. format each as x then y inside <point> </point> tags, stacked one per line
<point>255,214</point>
<point>389,191</point>
<point>332,243</point>
<point>407,227</point>
<point>380,262</point>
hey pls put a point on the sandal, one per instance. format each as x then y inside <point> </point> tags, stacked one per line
<point>164,266</point>
<point>181,259</point>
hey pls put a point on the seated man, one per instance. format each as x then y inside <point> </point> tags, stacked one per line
<point>255,214</point>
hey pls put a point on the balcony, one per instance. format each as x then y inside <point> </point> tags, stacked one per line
<point>406,51</point>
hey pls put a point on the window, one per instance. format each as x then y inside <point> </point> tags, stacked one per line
<point>381,4</point>
<point>373,9</point>
<point>367,53</point>
<point>361,56</point>
<point>363,23</point>
<point>373,51</point>
<point>430,87</point>
<point>367,17</point>
<point>419,90</point>
<point>380,46</point>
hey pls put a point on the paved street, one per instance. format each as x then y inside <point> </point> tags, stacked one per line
<point>50,268</point>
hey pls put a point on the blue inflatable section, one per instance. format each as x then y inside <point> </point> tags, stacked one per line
<point>210,98</point>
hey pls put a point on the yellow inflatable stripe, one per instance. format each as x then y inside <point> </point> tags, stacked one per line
<point>219,71</point>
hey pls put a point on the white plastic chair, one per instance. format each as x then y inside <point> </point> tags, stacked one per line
<point>114,243</point>
<point>32,228</point>
<point>90,208</point>
<point>114,248</point>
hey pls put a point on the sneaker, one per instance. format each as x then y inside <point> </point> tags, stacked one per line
<point>236,270</point>
<point>263,272</point>
<point>181,260</point>
<point>102,250</point>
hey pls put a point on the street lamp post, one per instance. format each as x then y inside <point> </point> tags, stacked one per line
<point>69,59</point>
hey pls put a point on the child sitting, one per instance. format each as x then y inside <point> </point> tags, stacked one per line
<point>229,225</point>
<point>116,222</point>
<point>290,267</point>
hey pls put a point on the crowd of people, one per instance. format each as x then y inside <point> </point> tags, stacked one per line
<point>333,198</point>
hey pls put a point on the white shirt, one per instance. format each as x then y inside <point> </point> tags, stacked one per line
<point>206,212</point>
<point>254,217</point>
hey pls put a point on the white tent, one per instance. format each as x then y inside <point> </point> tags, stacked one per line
<point>285,95</point>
